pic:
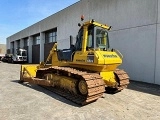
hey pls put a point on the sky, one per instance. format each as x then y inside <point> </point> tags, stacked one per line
<point>16,15</point>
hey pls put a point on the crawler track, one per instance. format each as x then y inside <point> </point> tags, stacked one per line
<point>122,79</point>
<point>94,82</point>
<point>78,86</point>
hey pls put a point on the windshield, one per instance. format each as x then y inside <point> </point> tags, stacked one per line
<point>21,53</point>
<point>24,53</point>
<point>18,53</point>
<point>102,41</point>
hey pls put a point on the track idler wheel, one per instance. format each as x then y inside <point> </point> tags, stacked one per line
<point>82,86</point>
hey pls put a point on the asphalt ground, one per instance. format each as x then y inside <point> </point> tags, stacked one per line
<point>140,101</point>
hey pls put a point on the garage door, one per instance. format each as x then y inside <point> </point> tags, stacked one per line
<point>47,48</point>
<point>35,53</point>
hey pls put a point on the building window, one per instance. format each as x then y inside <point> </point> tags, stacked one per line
<point>18,43</point>
<point>25,42</point>
<point>12,47</point>
<point>51,36</point>
<point>36,39</point>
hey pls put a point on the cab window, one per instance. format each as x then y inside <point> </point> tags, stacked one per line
<point>101,38</point>
<point>78,45</point>
<point>90,37</point>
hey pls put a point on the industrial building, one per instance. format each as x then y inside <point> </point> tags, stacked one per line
<point>135,33</point>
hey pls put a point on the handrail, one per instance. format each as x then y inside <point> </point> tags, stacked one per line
<point>72,56</point>
<point>96,54</point>
<point>119,53</point>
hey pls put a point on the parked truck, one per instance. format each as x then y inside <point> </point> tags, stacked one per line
<point>20,56</point>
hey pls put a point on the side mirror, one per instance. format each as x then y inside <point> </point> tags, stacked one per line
<point>110,27</point>
<point>79,24</point>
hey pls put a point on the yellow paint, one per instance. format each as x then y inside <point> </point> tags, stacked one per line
<point>104,62</point>
<point>63,82</point>
<point>97,24</point>
<point>84,42</point>
<point>29,70</point>
<point>109,78</point>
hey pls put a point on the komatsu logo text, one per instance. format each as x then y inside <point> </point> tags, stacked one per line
<point>81,60</point>
<point>110,56</point>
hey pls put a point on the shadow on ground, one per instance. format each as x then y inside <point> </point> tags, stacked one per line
<point>51,94</point>
<point>144,87</point>
<point>134,85</point>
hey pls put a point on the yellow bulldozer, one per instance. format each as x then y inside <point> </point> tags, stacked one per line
<point>83,72</point>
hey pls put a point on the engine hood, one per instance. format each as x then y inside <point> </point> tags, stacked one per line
<point>108,57</point>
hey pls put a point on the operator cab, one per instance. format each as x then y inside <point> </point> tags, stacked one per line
<point>97,38</point>
<point>91,36</point>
